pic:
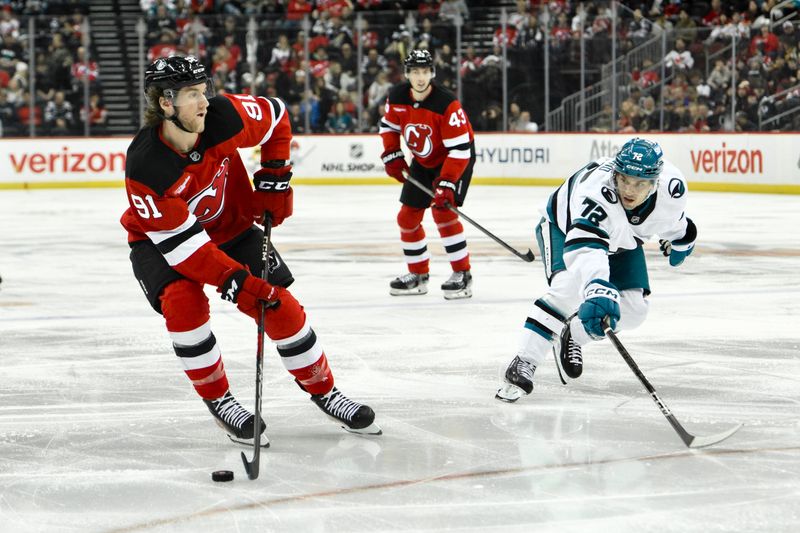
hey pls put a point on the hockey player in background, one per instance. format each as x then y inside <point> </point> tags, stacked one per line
<point>191,222</point>
<point>438,133</point>
<point>590,240</point>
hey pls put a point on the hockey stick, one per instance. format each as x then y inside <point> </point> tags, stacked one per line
<point>528,257</point>
<point>691,441</point>
<point>251,467</point>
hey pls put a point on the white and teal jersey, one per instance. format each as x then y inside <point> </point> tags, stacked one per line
<point>587,210</point>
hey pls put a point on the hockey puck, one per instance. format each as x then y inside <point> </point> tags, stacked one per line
<point>222,475</point>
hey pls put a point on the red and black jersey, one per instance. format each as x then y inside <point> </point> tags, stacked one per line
<point>187,204</point>
<point>436,130</point>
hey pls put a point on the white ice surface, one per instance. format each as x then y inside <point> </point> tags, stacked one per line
<point>100,430</point>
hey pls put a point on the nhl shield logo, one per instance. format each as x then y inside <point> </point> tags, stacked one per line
<point>356,150</point>
<point>194,156</point>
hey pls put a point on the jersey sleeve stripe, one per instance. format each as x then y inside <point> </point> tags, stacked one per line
<point>455,141</point>
<point>459,154</point>
<point>167,245</point>
<point>575,244</point>
<point>160,236</point>
<point>388,126</point>
<point>278,109</point>
<point>550,311</point>
<point>187,248</point>
<point>587,227</point>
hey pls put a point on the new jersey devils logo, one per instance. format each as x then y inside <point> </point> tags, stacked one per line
<point>208,203</point>
<point>418,139</point>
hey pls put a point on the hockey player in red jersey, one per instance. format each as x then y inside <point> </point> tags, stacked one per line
<point>438,133</point>
<point>191,223</point>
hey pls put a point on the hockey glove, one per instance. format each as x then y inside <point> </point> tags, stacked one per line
<point>246,290</point>
<point>394,162</point>
<point>444,194</point>
<point>600,299</point>
<point>273,193</point>
<point>680,249</point>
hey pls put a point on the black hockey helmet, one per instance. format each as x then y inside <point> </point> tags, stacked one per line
<point>174,72</point>
<point>418,58</point>
<point>168,75</point>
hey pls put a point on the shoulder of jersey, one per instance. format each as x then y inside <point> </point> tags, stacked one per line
<point>598,184</point>
<point>150,162</point>
<point>437,101</point>
<point>672,181</point>
<point>399,94</point>
<point>222,122</point>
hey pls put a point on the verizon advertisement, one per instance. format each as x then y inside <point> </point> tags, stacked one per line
<point>743,162</point>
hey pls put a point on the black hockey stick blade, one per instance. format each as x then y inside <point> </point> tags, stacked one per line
<point>691,441</point>
<point>710,440</point>
<point>527,256</point>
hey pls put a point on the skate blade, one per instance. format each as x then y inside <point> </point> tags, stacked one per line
<point>408,292</point>
<point>459,294</point>
<point>249,442</point>
<point>509,393</point>
<point>372,429</point>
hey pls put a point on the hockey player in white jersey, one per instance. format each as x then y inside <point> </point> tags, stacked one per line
<point>591,238</point>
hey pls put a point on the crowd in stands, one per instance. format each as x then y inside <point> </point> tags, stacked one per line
<point>701,79</point>
<point>695,93</point>
<point>61,66</point>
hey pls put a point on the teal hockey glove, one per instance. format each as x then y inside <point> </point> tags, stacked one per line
<point>600,299</point>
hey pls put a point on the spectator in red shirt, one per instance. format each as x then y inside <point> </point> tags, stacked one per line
<point>335,8</point>
<point>81,67</point>
<point>295,9</point>
<point>711,18</point>
<point>765,42</point>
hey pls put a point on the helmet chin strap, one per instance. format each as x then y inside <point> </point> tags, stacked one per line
<point>174,119</point>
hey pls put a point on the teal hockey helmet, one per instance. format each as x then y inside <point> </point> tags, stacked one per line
<point>639,158</point>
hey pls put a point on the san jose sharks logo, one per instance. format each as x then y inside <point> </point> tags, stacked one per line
<point>418,139</point>
<point>208,203</point>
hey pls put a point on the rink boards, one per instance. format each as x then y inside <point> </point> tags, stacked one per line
<point>757,162</point>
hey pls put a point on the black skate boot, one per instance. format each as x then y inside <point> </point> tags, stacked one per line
<point>458,286</point>
<point>568,355</point>
<point>352,416</point>
<point>237,421</point>
<point>409,284</point>
<point>519,381</point>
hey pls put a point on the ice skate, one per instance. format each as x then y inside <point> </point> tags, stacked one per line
<point>518,381</point>
<point>458,286</point>
<point>352,416</point>
<point>568,356</point>
<point>237,421</point>
<point>408,284</point>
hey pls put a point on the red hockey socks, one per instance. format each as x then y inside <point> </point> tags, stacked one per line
<point>185,309</point>
<point>453,239</point>
<point>412,236</point>
<point>300,351</point>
